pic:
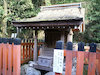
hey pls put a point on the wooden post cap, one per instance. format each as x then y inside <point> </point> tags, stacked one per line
<point>81,46</point>
<point>16,41</point>
<point>93,47</point>
<point>69,46</point>
<point>0,40</point>
<point>10,41</point>
<point>60,45</point>
<point>5,40</point>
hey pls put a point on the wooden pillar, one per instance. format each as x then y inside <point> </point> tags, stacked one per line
<point>35,46</point>
<point>18,31</point>
<point>63,35</point>
<point>70,36</point>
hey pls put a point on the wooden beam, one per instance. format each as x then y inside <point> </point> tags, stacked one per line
<point>48,23</point>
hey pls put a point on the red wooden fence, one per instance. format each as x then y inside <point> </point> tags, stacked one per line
<point>27,52</point>
<point>10,59</point>
<point>93,62</point>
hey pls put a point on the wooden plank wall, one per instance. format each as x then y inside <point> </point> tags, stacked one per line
<point>10,59</point>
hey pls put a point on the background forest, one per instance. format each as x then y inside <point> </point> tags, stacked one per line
<point>11,10</point>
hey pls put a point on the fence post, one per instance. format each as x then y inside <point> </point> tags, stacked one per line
<point>29,49</point>
<point>92,59</point>
<point>0,56</point>
<point>26,49</point>
<point>98,65</point>
<point>4,40</point>
<point>16,56</point>
<point>80,59</point>
<point>23,52</point>
<point>68,68</point>
<point>10,57</point>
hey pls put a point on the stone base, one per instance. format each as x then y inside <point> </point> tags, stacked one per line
<point>43,68</point>
<point>45,61</point>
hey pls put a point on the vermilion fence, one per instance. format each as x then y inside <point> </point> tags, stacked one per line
<point>90,59</point>
<point>9,58</point>
<point>27,50</point>
<point>93,61</point>
<point>13,54</point>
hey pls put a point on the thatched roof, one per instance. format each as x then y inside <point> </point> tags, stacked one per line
<point>55,15</point>
<point>49,13</point>
<point>65,14</point>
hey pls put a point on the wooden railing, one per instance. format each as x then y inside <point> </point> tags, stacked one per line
<point>27,51</point>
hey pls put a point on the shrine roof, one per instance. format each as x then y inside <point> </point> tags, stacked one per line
<point>55,13</point>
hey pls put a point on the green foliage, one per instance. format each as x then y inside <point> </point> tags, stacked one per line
<point>17,10</point>
<point>21,9</point>
<point>92,33</point>
<point>1,12</point>
<point>25,34</point>
<point>65,1</point>
<point>93,27</point>
<point>38,3</point>
<point>1,16</point>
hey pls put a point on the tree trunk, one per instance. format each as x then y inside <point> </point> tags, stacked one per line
<point>4,21</point>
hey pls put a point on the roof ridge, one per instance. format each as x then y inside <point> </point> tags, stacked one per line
<point>62,6</point>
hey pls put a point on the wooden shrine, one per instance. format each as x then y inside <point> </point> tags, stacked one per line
<point>58,23</point>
